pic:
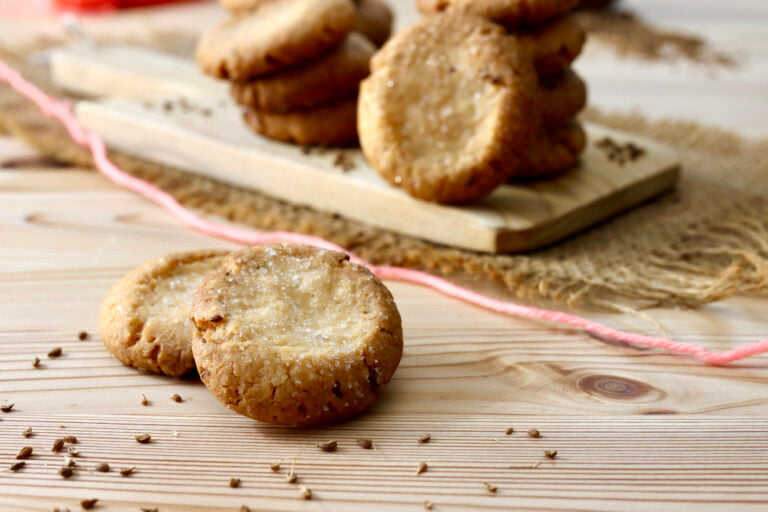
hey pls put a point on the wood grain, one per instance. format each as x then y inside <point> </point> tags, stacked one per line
<point>198,128</point>
<point>635,429</point>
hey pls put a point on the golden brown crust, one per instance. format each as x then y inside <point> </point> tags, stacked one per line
<point>334,124</point>
<point>374,20</point>
<point>325,79</point>
<point>295,335</point>
<point>143,318</point>
<point>562,97</point>
<point>555,151</point>
<point>510,13</point>
<point>555,44</point>
<point>449,108</point>
<point>274,35</point>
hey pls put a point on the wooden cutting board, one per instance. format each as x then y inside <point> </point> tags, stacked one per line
<point>161,108</point>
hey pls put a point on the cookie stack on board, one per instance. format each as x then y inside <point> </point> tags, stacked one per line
<point>554,40</point>
<point>295,65</point>
<point>257,326</point>
<point>477,93</point>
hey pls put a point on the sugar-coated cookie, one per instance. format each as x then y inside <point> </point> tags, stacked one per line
<point>374,20</point>
<point>334,124</point>
<point>325,79</point>
<point>449,108</point>
<point>555,44</point>
<point>510,13</point>
<point>144,318</point>
<point>295,335</point>
<point>562,97</point>
<point>555,151</point>
<point>273,35</point>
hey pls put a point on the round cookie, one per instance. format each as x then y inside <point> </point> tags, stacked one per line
<point>449,108</point>
<point>555,151</point>
<point>328,78</point>
<point>295,335</point>
<point>334,124</point>
<point>510,13</point>
<point>274,35</point>
<point>562,97</point>
<point>143,320</point>
<point>240,7</point>
<point>374,20</point>
<point>555,45</point>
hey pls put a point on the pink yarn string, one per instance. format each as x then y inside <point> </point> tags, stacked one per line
<point>62,111</point>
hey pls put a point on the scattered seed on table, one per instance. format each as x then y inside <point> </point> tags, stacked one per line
<point>176,398</point>
<point>365,443</point>
<point>74,452</point>
<point>102,467</point>
<point>428,505</point>
<point>82,335</point>
<point>550,454</point>
<point>245,508</point>
<point>70,439</point>
<point>509,431</point>
<point>534,432</point>
<point>329,446</point>
<point>425,437</point>
<point>57,445</point>
<point>275,466</point>
<point>149,509</point>
<point>144,400</point>
<point>143,438</point>
<point>36,362</point>
<point>17,465</point>
<point>234,482</point>
<point>306,492</point>
<point>490,487</point>
<point>422,468</point>
<point>6,407</point>
<point>291,477</point>
<point>66,471</point>
<point>24,453</point>
<point>28,432</point>
<point>56,352</point>
<point>88,504</point>
<point>127,471</point>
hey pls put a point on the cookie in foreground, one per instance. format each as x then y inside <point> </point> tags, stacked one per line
<point>295,335</point>
<point>143,320</point>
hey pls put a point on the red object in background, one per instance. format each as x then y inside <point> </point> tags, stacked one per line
<point>92,5</point>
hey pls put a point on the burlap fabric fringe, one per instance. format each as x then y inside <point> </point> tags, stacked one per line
<point>706,241</point>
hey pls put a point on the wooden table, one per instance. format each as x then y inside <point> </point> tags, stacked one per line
<point>634,429</point>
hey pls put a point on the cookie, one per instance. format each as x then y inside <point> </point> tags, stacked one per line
<point>144,320</point>
<point>326,79</point>
<point>334,124</point>
<point>374,20</point>
<point>555,45</point>
<point>555,151</point>
<point>449,108</point>
<point>273,35</point>
<point>562,97</point>
<point>240,7</point>
<point>510,13</point>
<point>295,335</point>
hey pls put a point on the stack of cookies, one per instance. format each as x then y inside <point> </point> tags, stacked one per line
<point>475,94</point>
<point>296,65</point>
<point>554,39</point>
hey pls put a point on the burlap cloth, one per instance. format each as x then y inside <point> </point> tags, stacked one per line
<point>706,241</point>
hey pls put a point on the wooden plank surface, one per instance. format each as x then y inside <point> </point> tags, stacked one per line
<point>170,112</point>
<point>635,430</point>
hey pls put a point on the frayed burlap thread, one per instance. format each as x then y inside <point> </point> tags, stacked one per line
<point>706,241</point>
